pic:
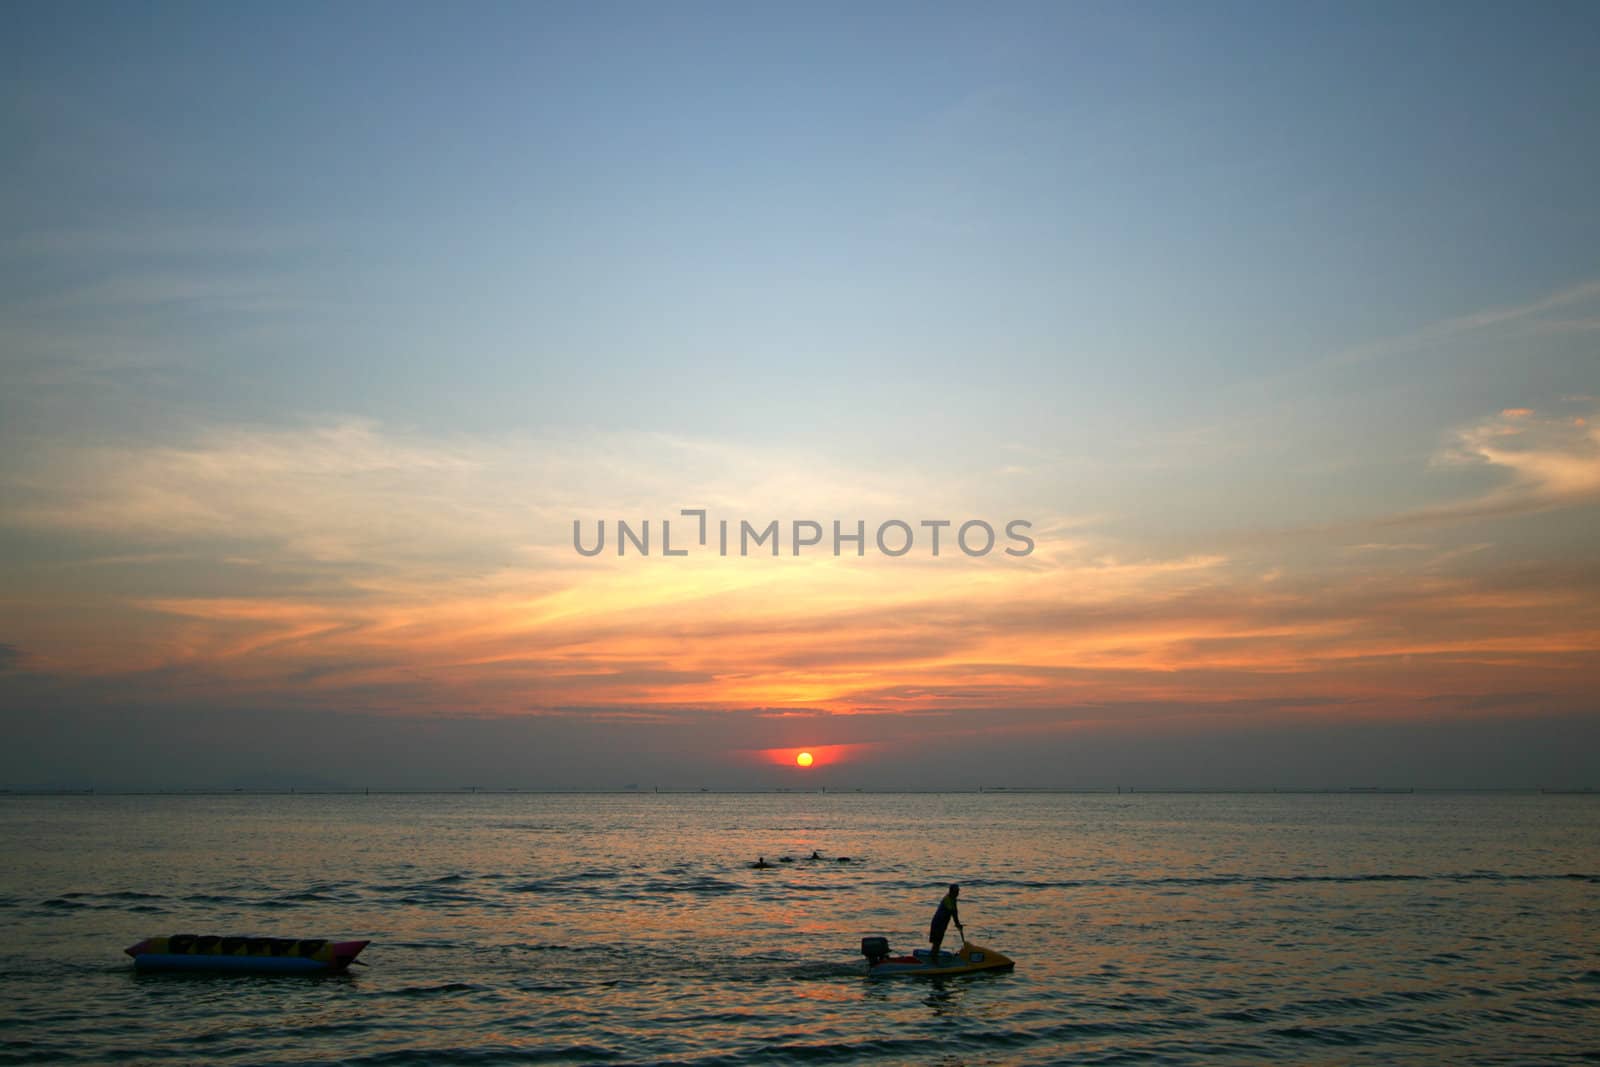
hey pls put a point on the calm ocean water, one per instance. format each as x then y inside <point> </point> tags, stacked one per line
<point>525,928</point>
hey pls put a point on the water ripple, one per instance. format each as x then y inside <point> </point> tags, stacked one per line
<point>1148,932</point>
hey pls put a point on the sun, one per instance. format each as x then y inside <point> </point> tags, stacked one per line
<point>804,759</point>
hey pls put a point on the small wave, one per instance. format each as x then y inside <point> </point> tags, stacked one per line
<point>560,881</point>
<point>480,1054</point>
<point>1204,880</point>
<point>126,900</point>
<point>441,990</point>
<point>817,972</point>
<point>24,1051</point>
<point>64,903</point>
<point>611,885</point>
<point>1319,1035</point>
<point>433,893</point>
<point>1423,995</point>
<point>693,885</point>
<point>1076,1031</point>
<point>1581,1003</point>
<point>889,1049</point>
<point>321,893</point>
<point>586,954</point>
<point>439,900</point>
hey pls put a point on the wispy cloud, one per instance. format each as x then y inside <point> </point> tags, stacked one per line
<point>1545,462</point>
<point>1174,632</point>
<point>1566,310</point>
<point>166,289</point>
<point>1474,322</point>
<point>1564,326</point>
<point>434,574</point>
<point>355,490</point>
<point>169,240</point>
<point>382,509</point>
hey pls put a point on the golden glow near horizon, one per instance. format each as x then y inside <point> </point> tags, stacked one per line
<point>1346,615</point>
<point>803,759</point>
<point>1374,619</point>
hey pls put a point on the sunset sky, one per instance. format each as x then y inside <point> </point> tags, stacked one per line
<point>321,325</point>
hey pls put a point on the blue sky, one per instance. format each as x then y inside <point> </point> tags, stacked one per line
<point>712,200</point>
<point>1187,281</point>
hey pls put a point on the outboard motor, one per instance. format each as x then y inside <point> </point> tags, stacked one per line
<point>876,949</point>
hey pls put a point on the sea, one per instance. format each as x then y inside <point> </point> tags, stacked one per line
<point>630,928</point>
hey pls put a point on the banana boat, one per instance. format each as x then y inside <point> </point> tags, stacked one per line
<point>255,955</point>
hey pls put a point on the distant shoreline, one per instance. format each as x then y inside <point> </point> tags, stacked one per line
<point>686,791</point>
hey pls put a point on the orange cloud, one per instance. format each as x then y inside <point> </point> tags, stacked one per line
<point>1544,462</point>
<point>348,614</point>
<point>1070,637</point>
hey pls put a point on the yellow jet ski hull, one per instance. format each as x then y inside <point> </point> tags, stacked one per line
<point>970,960</point>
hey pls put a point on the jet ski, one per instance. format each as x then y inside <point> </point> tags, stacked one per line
<point>970,960</point>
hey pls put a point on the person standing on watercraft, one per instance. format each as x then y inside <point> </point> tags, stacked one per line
<point>942,917</point>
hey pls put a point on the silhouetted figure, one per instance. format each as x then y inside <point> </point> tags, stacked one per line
<point>943,916</point>
<point>760,864</point>
<point>815,855</point>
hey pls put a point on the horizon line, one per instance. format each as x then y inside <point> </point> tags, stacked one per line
<point>218,791</point>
